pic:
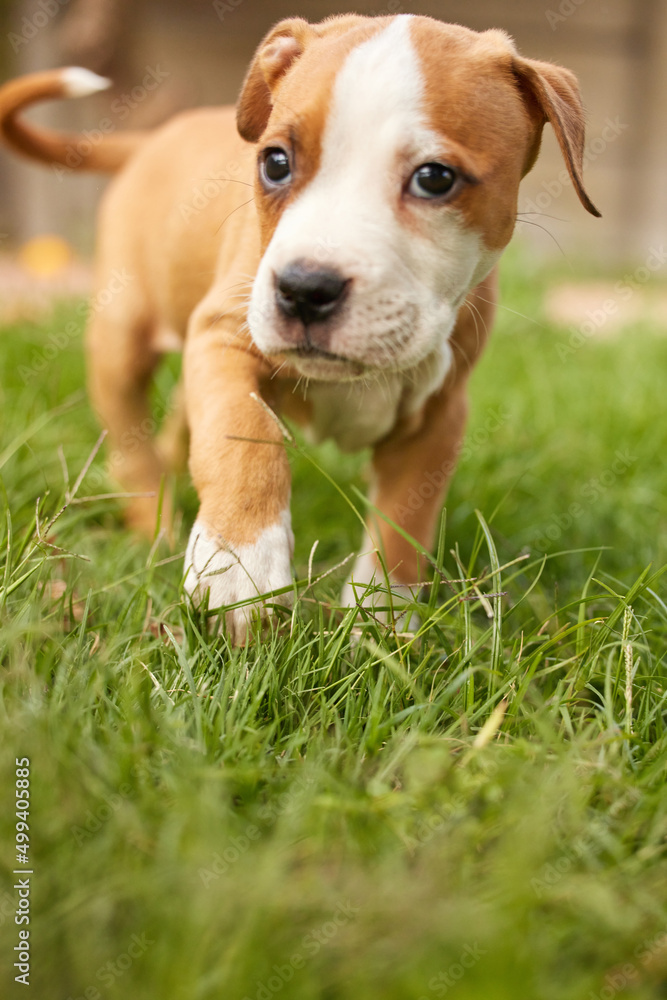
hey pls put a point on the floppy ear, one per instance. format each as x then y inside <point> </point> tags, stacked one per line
<point>552,95</point>
<point>274,56</point>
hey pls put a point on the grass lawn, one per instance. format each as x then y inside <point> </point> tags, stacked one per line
<point>478,811</point>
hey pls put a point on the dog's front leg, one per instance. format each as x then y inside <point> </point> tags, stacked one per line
<point>241,543</point>
<point>411,474</point>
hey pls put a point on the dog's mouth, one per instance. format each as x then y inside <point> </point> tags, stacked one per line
<point>313,362</point>
<point>310,351</point>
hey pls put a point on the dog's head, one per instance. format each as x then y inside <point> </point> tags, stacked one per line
<point>389,156</point>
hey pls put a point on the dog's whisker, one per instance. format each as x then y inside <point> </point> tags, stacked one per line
<point>238,207</point>
<point>530,222</point>
<point>501,305</point>
<point>231,180</point>
<point>464,356</point>
<point>476,315</point>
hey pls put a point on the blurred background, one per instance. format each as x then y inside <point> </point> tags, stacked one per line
<point>165,55</point>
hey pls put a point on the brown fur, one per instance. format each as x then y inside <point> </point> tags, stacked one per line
<point>109,154</point>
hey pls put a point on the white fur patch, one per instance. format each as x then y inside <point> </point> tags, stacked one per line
<point>367,575</point>
<point>232,575</point>
<point>359,413</point>
<point>354,414</point>
<point>80,82</point>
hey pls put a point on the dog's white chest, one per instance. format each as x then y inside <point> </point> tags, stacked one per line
<point>355,414</point>
<point>360,413</point>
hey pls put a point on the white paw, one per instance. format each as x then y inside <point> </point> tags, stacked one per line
<point>230,575</point>
<point>367,586</point>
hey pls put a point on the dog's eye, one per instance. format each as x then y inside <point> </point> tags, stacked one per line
<point>275,167</point>
<point>432,180</point>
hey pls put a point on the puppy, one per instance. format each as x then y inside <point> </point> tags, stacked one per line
<point>326,251</point>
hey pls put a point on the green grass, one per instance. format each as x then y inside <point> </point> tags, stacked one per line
<point>478,812</point>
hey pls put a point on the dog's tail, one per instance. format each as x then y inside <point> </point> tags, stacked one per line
<point>97,150</point>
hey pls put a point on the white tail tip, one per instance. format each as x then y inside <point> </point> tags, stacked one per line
<point>80,82</point>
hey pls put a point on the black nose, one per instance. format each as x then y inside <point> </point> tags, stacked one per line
<point>308,292</point>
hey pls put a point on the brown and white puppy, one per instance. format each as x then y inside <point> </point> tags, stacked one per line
<point>341,271</point>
